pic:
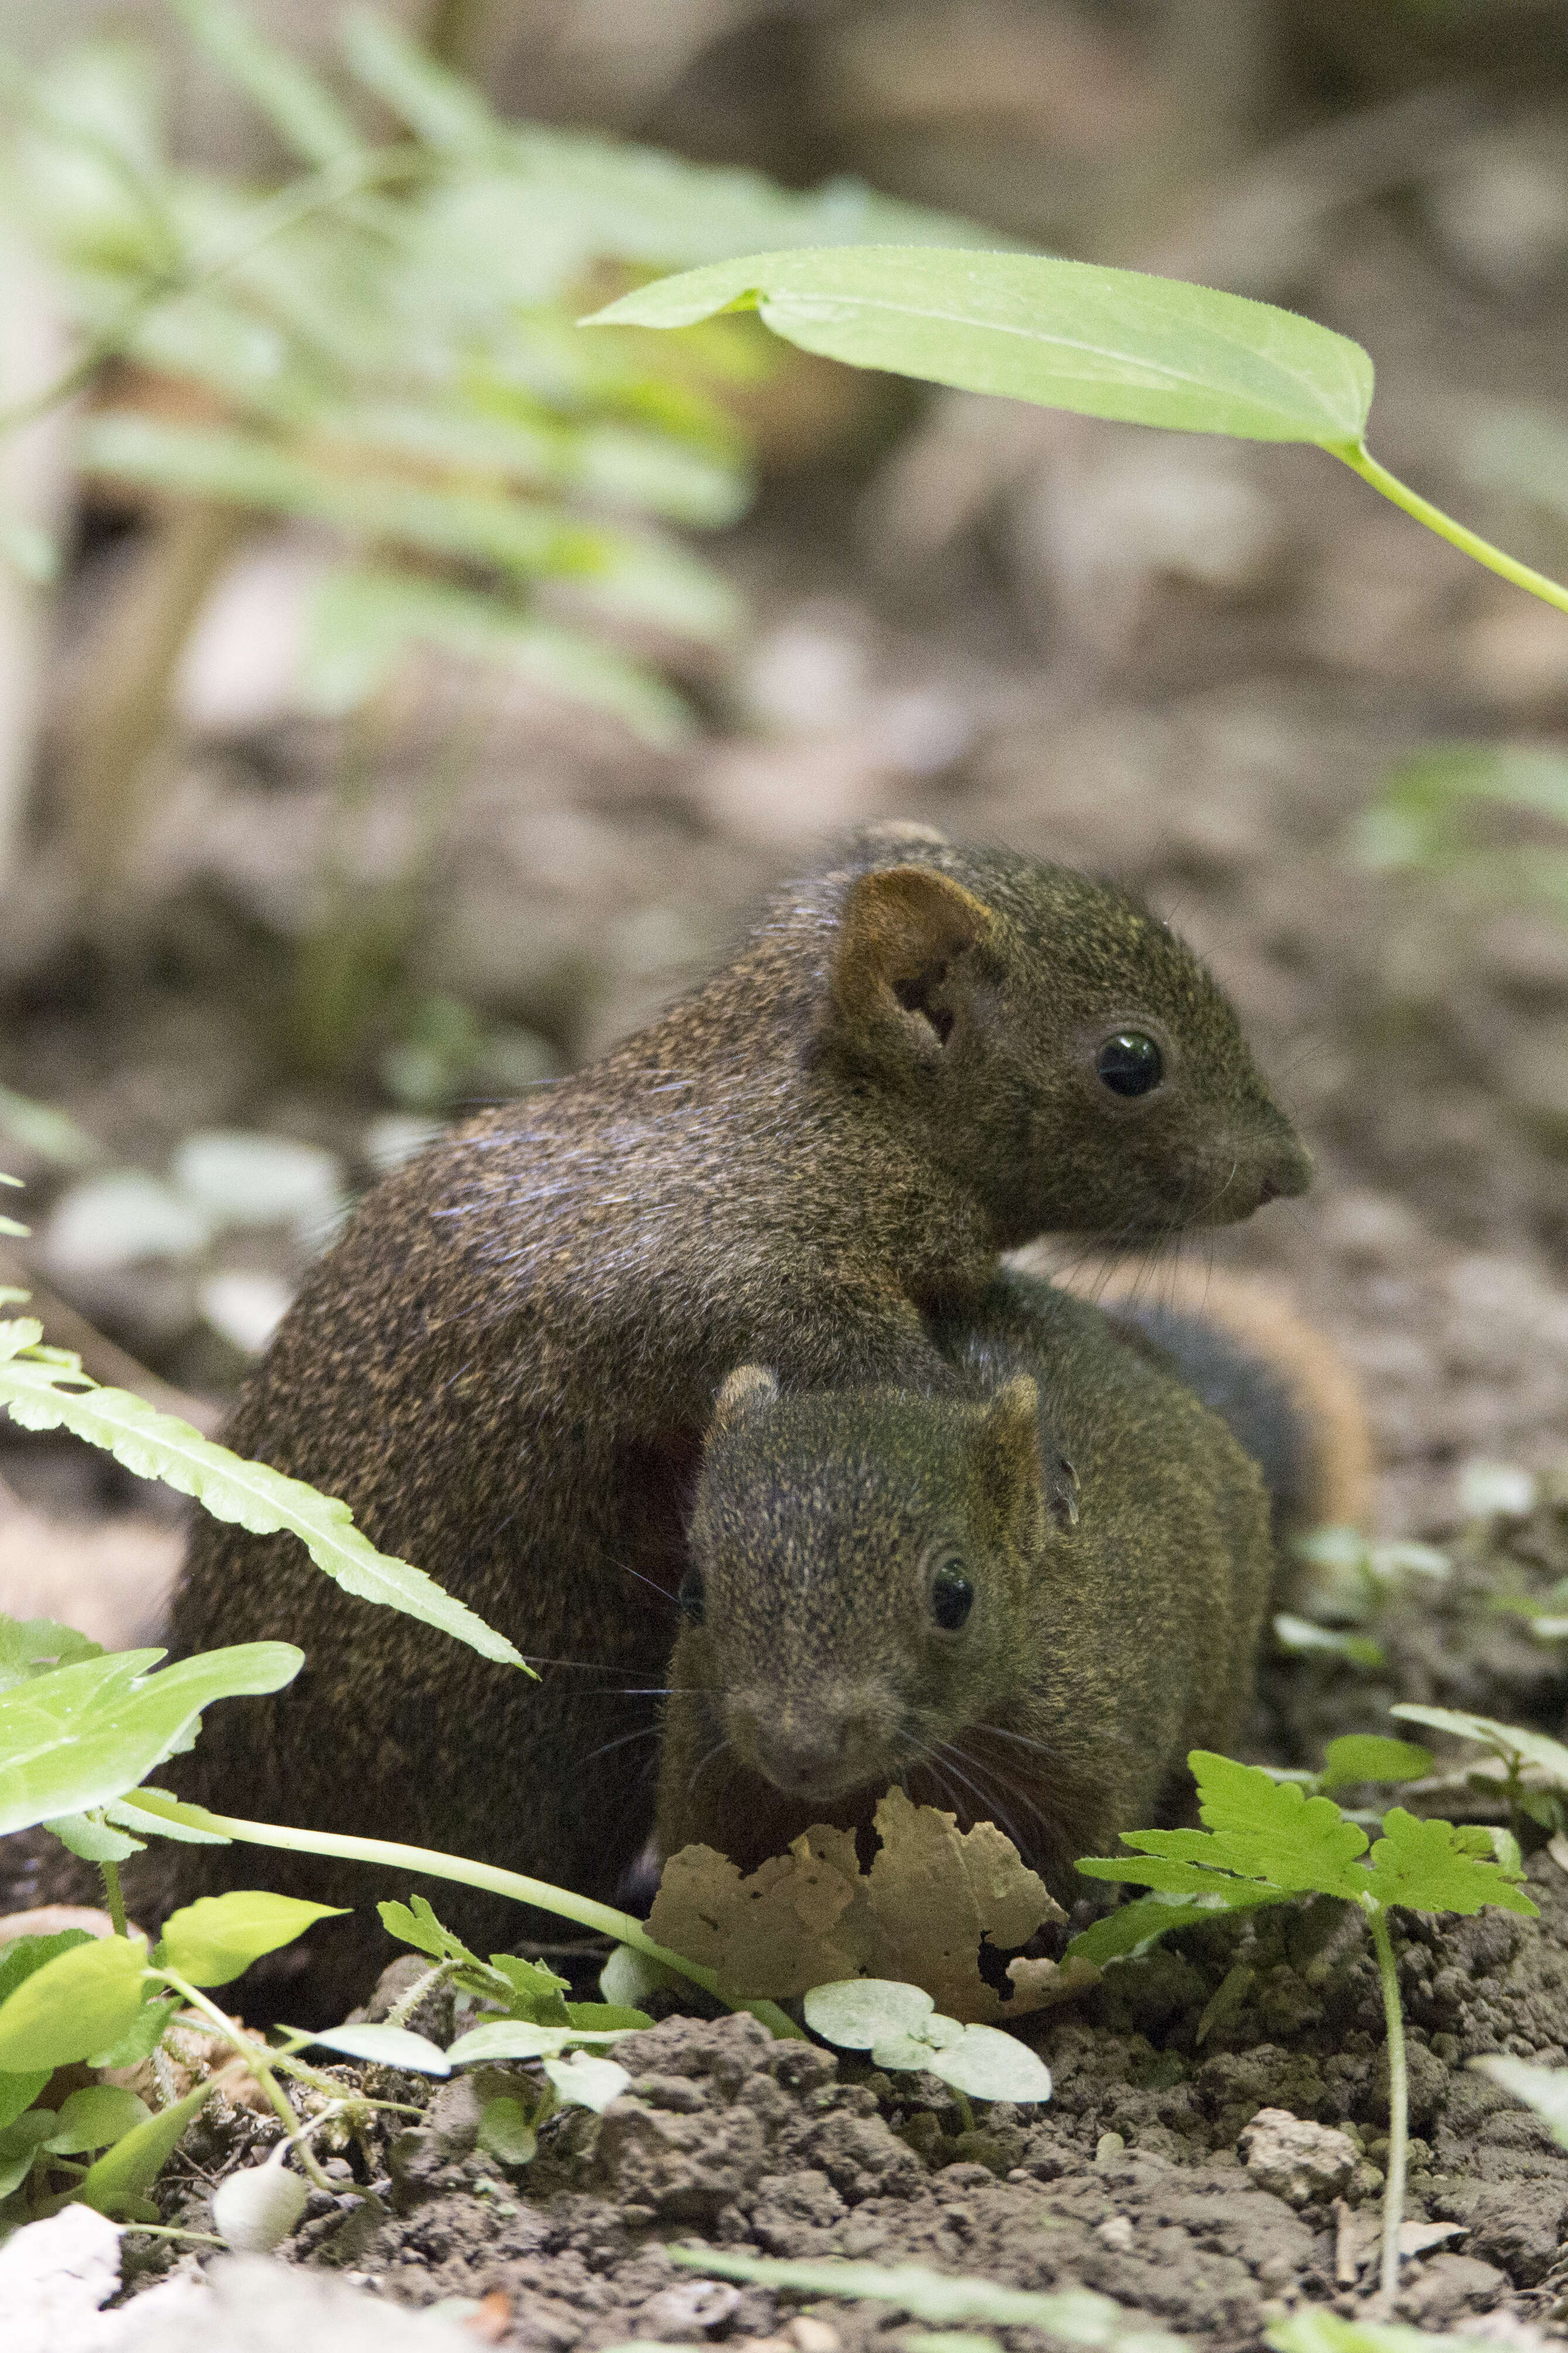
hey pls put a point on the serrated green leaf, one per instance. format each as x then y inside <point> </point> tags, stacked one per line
<point>252,1495</point>
<point>387,2046</point>
<point>36,1646</point>
<point>1068,335</point>
<point>1076,2315</point>
<point>1423,1864</point>
<point>88,1733</point>
<point>74,2005</point>
<point>856,2012</point>
<point>414,1923</point>
<point>508,2038</point>
<point>1135,1926</point>
<point>218,1938</point>
<point>1368,1757</point>
<point>96,2117</point>
<point>87,1836</point>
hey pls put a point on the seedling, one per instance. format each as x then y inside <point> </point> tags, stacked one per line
<point>1266,1841</point>
<point>903,2028</point>
<point>1070,335</point>
<point>1532,1771</point>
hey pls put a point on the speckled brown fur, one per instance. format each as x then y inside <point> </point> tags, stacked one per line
<point>1093,1657</point>
<point>506,1364</point>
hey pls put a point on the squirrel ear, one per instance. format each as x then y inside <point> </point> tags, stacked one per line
<point>1009,1471</point>
<point>742,1393</point>
<point>901,930</point>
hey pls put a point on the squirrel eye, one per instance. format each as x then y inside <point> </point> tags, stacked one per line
<point>1130,1063</point>
<point>951,1596</point>
<point>688,1596</point>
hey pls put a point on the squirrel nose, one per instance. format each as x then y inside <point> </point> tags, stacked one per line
<point>1291,1173</point>
<point>810,1752</point>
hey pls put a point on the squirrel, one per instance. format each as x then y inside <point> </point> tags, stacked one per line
<point>1025,1602</point>
<point>921,1056</point>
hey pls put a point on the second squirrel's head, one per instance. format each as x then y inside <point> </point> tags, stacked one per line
<point>862,1566</point>
<point>1060,1048</point>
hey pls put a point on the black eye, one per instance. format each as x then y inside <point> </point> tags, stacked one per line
<point>1130,1063</point>
<point>952,1597</point>
<point>688,1596</point>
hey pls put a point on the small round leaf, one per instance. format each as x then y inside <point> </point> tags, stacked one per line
<point>856,2012</point>
<point>988,2064</point>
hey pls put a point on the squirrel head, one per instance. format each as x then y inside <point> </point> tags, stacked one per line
<point>862,1562</point>
<point>1054,1043</point>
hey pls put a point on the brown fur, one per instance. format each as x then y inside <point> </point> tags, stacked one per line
<point>507,1363</point>
<point>1094,1656</point>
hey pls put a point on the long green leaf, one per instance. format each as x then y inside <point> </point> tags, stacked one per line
<point>1069,334</point>
<point>250,1494</point>
<point>1077,2315</point>
<point>133,2164</point>
<point>294,100</point>
<point>218,1938</point>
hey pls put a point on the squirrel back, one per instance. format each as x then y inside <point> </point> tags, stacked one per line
<point>889,1587</point>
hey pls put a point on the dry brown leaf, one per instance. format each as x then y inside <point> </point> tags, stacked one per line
<point>810,1917</point>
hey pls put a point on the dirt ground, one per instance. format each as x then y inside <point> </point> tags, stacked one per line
<point>1209,731</point>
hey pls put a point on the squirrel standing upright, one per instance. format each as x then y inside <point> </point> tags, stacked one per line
<point>920,1057</point>
<point>888,1587</point>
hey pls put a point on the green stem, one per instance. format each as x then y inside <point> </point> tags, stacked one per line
<point>1398,2105</point>
<point>603,1918</point>
<point>402,2010</point>
<point>113,1895</point>
<point>259,2060</point>
<point>965,2113</point>
<point>1361,461</point>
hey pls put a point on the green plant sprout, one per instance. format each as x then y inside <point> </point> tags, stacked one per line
<point>1312,2329</point>
<point>1115,343</point>
<point>1266,1841</point>
<point>1531,1774</point>
<point>1075,2315</point>
<point>1430,817</point>
<point>903,2028</point>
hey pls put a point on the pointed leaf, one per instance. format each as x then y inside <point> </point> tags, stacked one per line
<point>1069,334</point>
<point>218,1938</point>
<point>133,2164</point>
<point>387,2046</point>
<point>1549,1757</point>
<point>251,1494</point>
<point>73,2005</point>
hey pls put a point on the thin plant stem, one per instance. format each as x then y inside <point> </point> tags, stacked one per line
<point>260,2063</point>
<point>965,2113</point>
<point>1361,461</point>
<point>1398,2105</point>
<point>404,2008</point>
<point>537,1893</point>
<point>113,1895</point>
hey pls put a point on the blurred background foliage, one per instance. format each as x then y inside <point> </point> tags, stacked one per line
<point>401,694</point>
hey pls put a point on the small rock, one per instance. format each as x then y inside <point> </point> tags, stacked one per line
<point>1108,2148</point>
<point>809,2335</point>
<point>1449,2285</point>
<point>1116,2234</point>
<point>1297,2159</point>
<point>692,2310</point>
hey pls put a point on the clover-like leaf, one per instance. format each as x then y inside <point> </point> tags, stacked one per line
<point>856,2012</point>
<point>987,2063</point>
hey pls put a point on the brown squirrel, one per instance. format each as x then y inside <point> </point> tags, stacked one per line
<point>889,1588</point>
<point>920,1057</point>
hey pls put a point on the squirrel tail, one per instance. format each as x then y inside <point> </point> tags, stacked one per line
<point>1284,1391</point>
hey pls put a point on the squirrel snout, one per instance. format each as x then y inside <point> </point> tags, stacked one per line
<point>814,1749</point>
